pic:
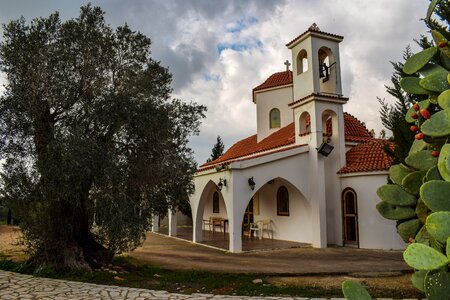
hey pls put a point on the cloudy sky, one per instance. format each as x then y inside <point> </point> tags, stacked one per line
<point>219,50</point>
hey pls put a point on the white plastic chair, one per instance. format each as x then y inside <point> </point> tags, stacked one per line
<point>261,226</point>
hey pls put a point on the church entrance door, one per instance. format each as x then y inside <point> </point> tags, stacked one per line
<point>350,218</point>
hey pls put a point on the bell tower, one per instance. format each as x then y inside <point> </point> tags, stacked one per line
<point>319,119</point>
<point>315,57</point>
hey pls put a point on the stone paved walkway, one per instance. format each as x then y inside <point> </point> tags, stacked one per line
<point>19,286</point>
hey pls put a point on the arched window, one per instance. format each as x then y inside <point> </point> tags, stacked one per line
<point>282,201</point>
<point>216,207</point>
<point>302,62</point>
<point>275,118</point>
<point>305,124</point>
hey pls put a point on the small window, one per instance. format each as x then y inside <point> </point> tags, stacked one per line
<point>302,62</point>
<point>282,201</point>
<point>275,118</point>
<point>216,207</point>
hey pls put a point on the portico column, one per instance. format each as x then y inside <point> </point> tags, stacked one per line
<point>172,222</point>
<point>197,225</point>
<point>155,223</point>
<point>235,233</point>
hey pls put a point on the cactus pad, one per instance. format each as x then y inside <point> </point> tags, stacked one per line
<point>412,182</point>
<point>409,229</point>
<point>437,285</point>
<point>422,211</point>
<point>398,172</point>
<point>436,195</point>
<point>421,160</point>
<point>430,68</point>
<point>354,291</point>
<point>436,82</point>
<point>438,125</point>
<point>433,174</point>
<point>419,60</point>
<point>418,279</point>
<point>393,212</point>
<point>417,145</point>
<point>411,85</point>
<point>444,99</point>
<point>438,225</point>
<point>422,257</point>
<point>444,162</point>
<point>395,195</point>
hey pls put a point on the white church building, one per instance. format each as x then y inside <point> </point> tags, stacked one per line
<point>286,175</point>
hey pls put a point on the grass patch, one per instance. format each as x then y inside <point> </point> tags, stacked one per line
<point>127,271</point>
<point>130,272</point>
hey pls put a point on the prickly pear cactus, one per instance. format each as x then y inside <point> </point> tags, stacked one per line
<point>419,196</point>
<point>423,184</point>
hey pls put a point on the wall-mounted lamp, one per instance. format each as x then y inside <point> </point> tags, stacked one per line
<point>222,183</point>
<point>251,183</point>
<point>325,149</point>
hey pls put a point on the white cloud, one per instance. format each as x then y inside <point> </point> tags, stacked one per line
<point>186,36</point>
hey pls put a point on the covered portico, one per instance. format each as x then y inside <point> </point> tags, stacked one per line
<point>290,167</point>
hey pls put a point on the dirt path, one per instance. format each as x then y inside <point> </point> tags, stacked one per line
<point>10,242</point>
<point>170,253</point>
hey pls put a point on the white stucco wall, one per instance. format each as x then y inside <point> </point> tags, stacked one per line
<point>375,232</point>
<point>295,227</point>
<point>265,102</point>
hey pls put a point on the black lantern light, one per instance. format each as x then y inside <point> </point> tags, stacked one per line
<point>222,183</point>
<point>251,183</point>
<point>325,149</point>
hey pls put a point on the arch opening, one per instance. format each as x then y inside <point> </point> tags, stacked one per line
<point>302,62</point>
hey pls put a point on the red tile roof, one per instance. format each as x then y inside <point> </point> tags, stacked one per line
<point>355,131</point>
<point>248,146</point>
<point>314,29</point>
<point>274,80</point>
<point>368,157</point>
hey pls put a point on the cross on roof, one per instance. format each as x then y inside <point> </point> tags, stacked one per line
<point>287,64</point>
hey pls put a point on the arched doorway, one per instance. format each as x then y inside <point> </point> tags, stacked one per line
<point>350,218</point>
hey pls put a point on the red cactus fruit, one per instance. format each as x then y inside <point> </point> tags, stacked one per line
<point>414,128</point>
<point>435,153</point>
<point>442,44</point>
<point>416,107</point>
<point>414,116</point>
<point>419,136</point>
<point>425,113</point>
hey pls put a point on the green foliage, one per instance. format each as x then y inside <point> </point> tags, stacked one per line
<point>438,225</point>
<point>354,291</point>
<point>436,194</point>
<point>409,229</point>
<point>217,150</point>
<point>398,172</point>
<point>437,285</point>
<point>411,183</point>
<point>423,257</point>
<point>88,129</point>
<point>412,85</point>
<point>421,160</point>
<point>395,195</point>
<point>419,60</point>
<point>439,125</point>
<point>393,212</point>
